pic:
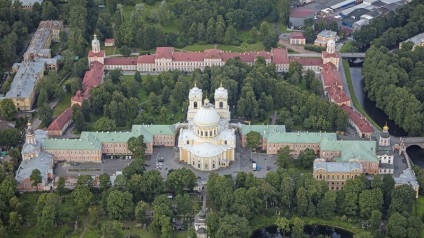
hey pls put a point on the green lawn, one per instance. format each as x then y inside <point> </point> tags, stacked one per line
<point>353,95</point>
<point>282,27</point>
<point>62,105</point>
<point>146,8</point>
<point>348,47</point>
<point>110,50</point>
<point>334,223</point>
<point>242,48</point>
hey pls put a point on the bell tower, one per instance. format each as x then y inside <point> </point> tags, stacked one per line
<point>195,101</point>
<point>221,102</point>
<point>96,54</point>
<point>330,55</point>
<point>95,44</point>
<point>29,135</point>
<point>384,137</point>
<point>331,46</point>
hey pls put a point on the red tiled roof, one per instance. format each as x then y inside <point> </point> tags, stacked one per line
<point>94,76</point>
<point>307,61</point>
<point>337,94</point>
<point>102,53</point>
<point>60,121</point>
<point>188,56</point>
<point>299,12</point>
<point>230,55</point>
<point>297,35</point>
<point>164,52</point>
<point>110,40</point>
<point>212,54</point>
<point>121,61</point>
<point>146,59</point>
<point>359,121</point>
<point>280,56</point>
<point>331,76</point>
<point>78,97</point>
<point>264,54</point>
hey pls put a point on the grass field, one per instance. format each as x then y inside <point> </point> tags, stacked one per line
<point>353,96</point>
<point>62,105</point>
<point>110,50</point>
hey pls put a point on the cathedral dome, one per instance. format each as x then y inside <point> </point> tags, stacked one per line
<point>206,116</point>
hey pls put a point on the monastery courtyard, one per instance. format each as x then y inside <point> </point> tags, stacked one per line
<point>171,161</point>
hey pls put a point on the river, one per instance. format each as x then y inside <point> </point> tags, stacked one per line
<point>369,106</point>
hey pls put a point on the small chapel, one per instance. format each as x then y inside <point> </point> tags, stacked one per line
<point>207,142</point>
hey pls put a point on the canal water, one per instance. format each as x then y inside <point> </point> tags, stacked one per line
<point>369,106</point>
<point>415,153</point>
<point>312,230</point>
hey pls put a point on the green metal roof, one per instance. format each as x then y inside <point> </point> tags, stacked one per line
<point>262,129</point>
<point>90,140</point>
<point>351,149</point>
<point>155,129</point>
<point>67,144</point>
<point>299,137</point>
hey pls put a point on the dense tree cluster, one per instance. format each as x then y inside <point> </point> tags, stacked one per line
<point>16,23</point>
<point>393,28</point>
<point>394,80</point>
<point>302,195</point>
<point>198,22</point>
<point>254,93</point>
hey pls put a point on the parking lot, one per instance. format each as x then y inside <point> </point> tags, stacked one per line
<point>109,166</point>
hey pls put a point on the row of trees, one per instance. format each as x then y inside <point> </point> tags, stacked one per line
<point>394,81</point>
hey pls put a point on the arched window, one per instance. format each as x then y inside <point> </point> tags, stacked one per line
<point>195,105</point>
<point>221,104</point>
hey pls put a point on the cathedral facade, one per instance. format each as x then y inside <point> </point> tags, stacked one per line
<point>207,142</point>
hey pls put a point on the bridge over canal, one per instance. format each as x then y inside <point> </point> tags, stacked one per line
<point>343,55</point>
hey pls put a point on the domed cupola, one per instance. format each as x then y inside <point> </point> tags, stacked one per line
<point>206,120</point>
<point>385,136</point>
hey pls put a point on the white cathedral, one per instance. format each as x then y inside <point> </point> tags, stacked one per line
<point>207,142</point>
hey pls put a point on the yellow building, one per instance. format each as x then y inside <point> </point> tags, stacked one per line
<point>207,142</point>
<point>336,173</point>
<point>22,89</point>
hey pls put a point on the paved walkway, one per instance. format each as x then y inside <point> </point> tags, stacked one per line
<point>298,48</point>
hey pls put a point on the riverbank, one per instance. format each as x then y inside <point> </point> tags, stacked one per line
<point>264,221</point>
<point>355,101</point>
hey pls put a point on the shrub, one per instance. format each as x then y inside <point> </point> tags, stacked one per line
<point>314,48</point>
<point>251,41</point>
